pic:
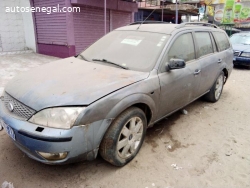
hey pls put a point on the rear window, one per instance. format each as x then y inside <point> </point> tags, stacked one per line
<point>222,40</point>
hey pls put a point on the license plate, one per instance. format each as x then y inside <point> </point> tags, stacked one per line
<point>8,129</point>
<point>234,59</point>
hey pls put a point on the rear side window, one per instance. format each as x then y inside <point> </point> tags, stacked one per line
<point>204,43</point>
<point>221,40</point>
<point>182,48</point>
<point>214,44</point>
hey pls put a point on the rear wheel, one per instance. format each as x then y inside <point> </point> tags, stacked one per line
<point>124,137</point>
<point>215,92</point>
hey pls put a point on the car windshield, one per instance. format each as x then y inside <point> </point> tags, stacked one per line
<point>131,49</point>
<point>240,39</point>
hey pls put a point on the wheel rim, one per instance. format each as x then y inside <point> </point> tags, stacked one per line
<point>218,87</point>
<point>130,137</point>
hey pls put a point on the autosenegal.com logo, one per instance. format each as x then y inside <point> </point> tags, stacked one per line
<point>47,10</point>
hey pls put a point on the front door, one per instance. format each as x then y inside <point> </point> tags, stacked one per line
<point>179,86</point>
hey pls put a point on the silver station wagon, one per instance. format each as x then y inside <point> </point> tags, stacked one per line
<point>104,99</point>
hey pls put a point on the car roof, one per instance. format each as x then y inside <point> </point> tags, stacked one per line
<point>157,28</point>
<point>165,28</point>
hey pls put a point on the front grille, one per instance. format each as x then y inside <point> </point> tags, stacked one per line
<point>236,53</point>
<point>19,109</point>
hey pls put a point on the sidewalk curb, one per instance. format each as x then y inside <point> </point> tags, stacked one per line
<point>16,52</point>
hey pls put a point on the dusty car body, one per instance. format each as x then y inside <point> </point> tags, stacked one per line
<point>105,98</point>
<point>241,47</point>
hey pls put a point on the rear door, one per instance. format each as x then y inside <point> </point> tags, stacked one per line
<point>209,59</point>
<point>178,86</point>
<point>225,49</point>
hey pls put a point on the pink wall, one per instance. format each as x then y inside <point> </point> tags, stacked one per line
<point>56,32</point>
<point>56,50</point>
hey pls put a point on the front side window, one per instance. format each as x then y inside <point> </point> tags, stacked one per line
<point>221,40</point>
<point>132,49</point>
<point>204,43</point>
<point>182,48</point>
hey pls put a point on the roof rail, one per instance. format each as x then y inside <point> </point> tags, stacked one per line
<point>197,23</point>
<point>148,22</point>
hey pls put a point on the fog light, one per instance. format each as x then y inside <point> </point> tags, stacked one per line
<point>53,156</point>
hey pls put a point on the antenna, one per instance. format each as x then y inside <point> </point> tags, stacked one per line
<point>146,19</point>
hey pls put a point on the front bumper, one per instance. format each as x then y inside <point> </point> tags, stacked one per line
<point>81,142</point>
<point>241,61</point>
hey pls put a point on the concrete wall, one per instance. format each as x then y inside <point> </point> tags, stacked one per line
<point>28,24</point>
<point>16,28</point>
<point>11,28</point>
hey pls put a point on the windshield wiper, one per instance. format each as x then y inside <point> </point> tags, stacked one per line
<point>106,61</point>
<point>84,58</point>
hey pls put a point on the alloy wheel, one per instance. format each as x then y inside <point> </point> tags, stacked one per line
<point>218,87</point>
<point>130,137</point>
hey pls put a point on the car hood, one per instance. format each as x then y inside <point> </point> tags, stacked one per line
<point>69,81</point>
<point>241,47</point>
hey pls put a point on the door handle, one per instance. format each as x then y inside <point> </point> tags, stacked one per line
<point>219,60</point>
<point>197,72</point>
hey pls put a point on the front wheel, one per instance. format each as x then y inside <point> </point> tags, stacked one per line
<point>215,92</point>
<point>124,138</point>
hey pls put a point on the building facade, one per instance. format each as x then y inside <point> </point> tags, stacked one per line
<point>65,34</point>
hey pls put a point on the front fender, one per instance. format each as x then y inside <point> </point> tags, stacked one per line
<point>99,128</point>
<point>130,101</point>
<point>110,106</point>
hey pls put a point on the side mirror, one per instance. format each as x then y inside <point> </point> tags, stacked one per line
<point>175,64</point>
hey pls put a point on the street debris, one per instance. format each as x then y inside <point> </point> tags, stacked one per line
<point>7,185</point>
<point>169,147</point>
<point>183,111</point>
<point>153,184</point>
<point>229,152</point>
<point>176,167</point>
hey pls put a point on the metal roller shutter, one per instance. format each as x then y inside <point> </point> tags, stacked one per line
<point>51,28</point>
<point>89,26</point>
<point>120,19</point>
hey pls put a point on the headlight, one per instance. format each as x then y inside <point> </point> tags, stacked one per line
<point>62,118</point>
<point>245,54</point>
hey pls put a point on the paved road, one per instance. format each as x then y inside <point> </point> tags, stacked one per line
<point>10,65</point>
<point>208,147</point>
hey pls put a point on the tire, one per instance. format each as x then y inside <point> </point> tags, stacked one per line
<point>122,141</point>
<point>215,92</point>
